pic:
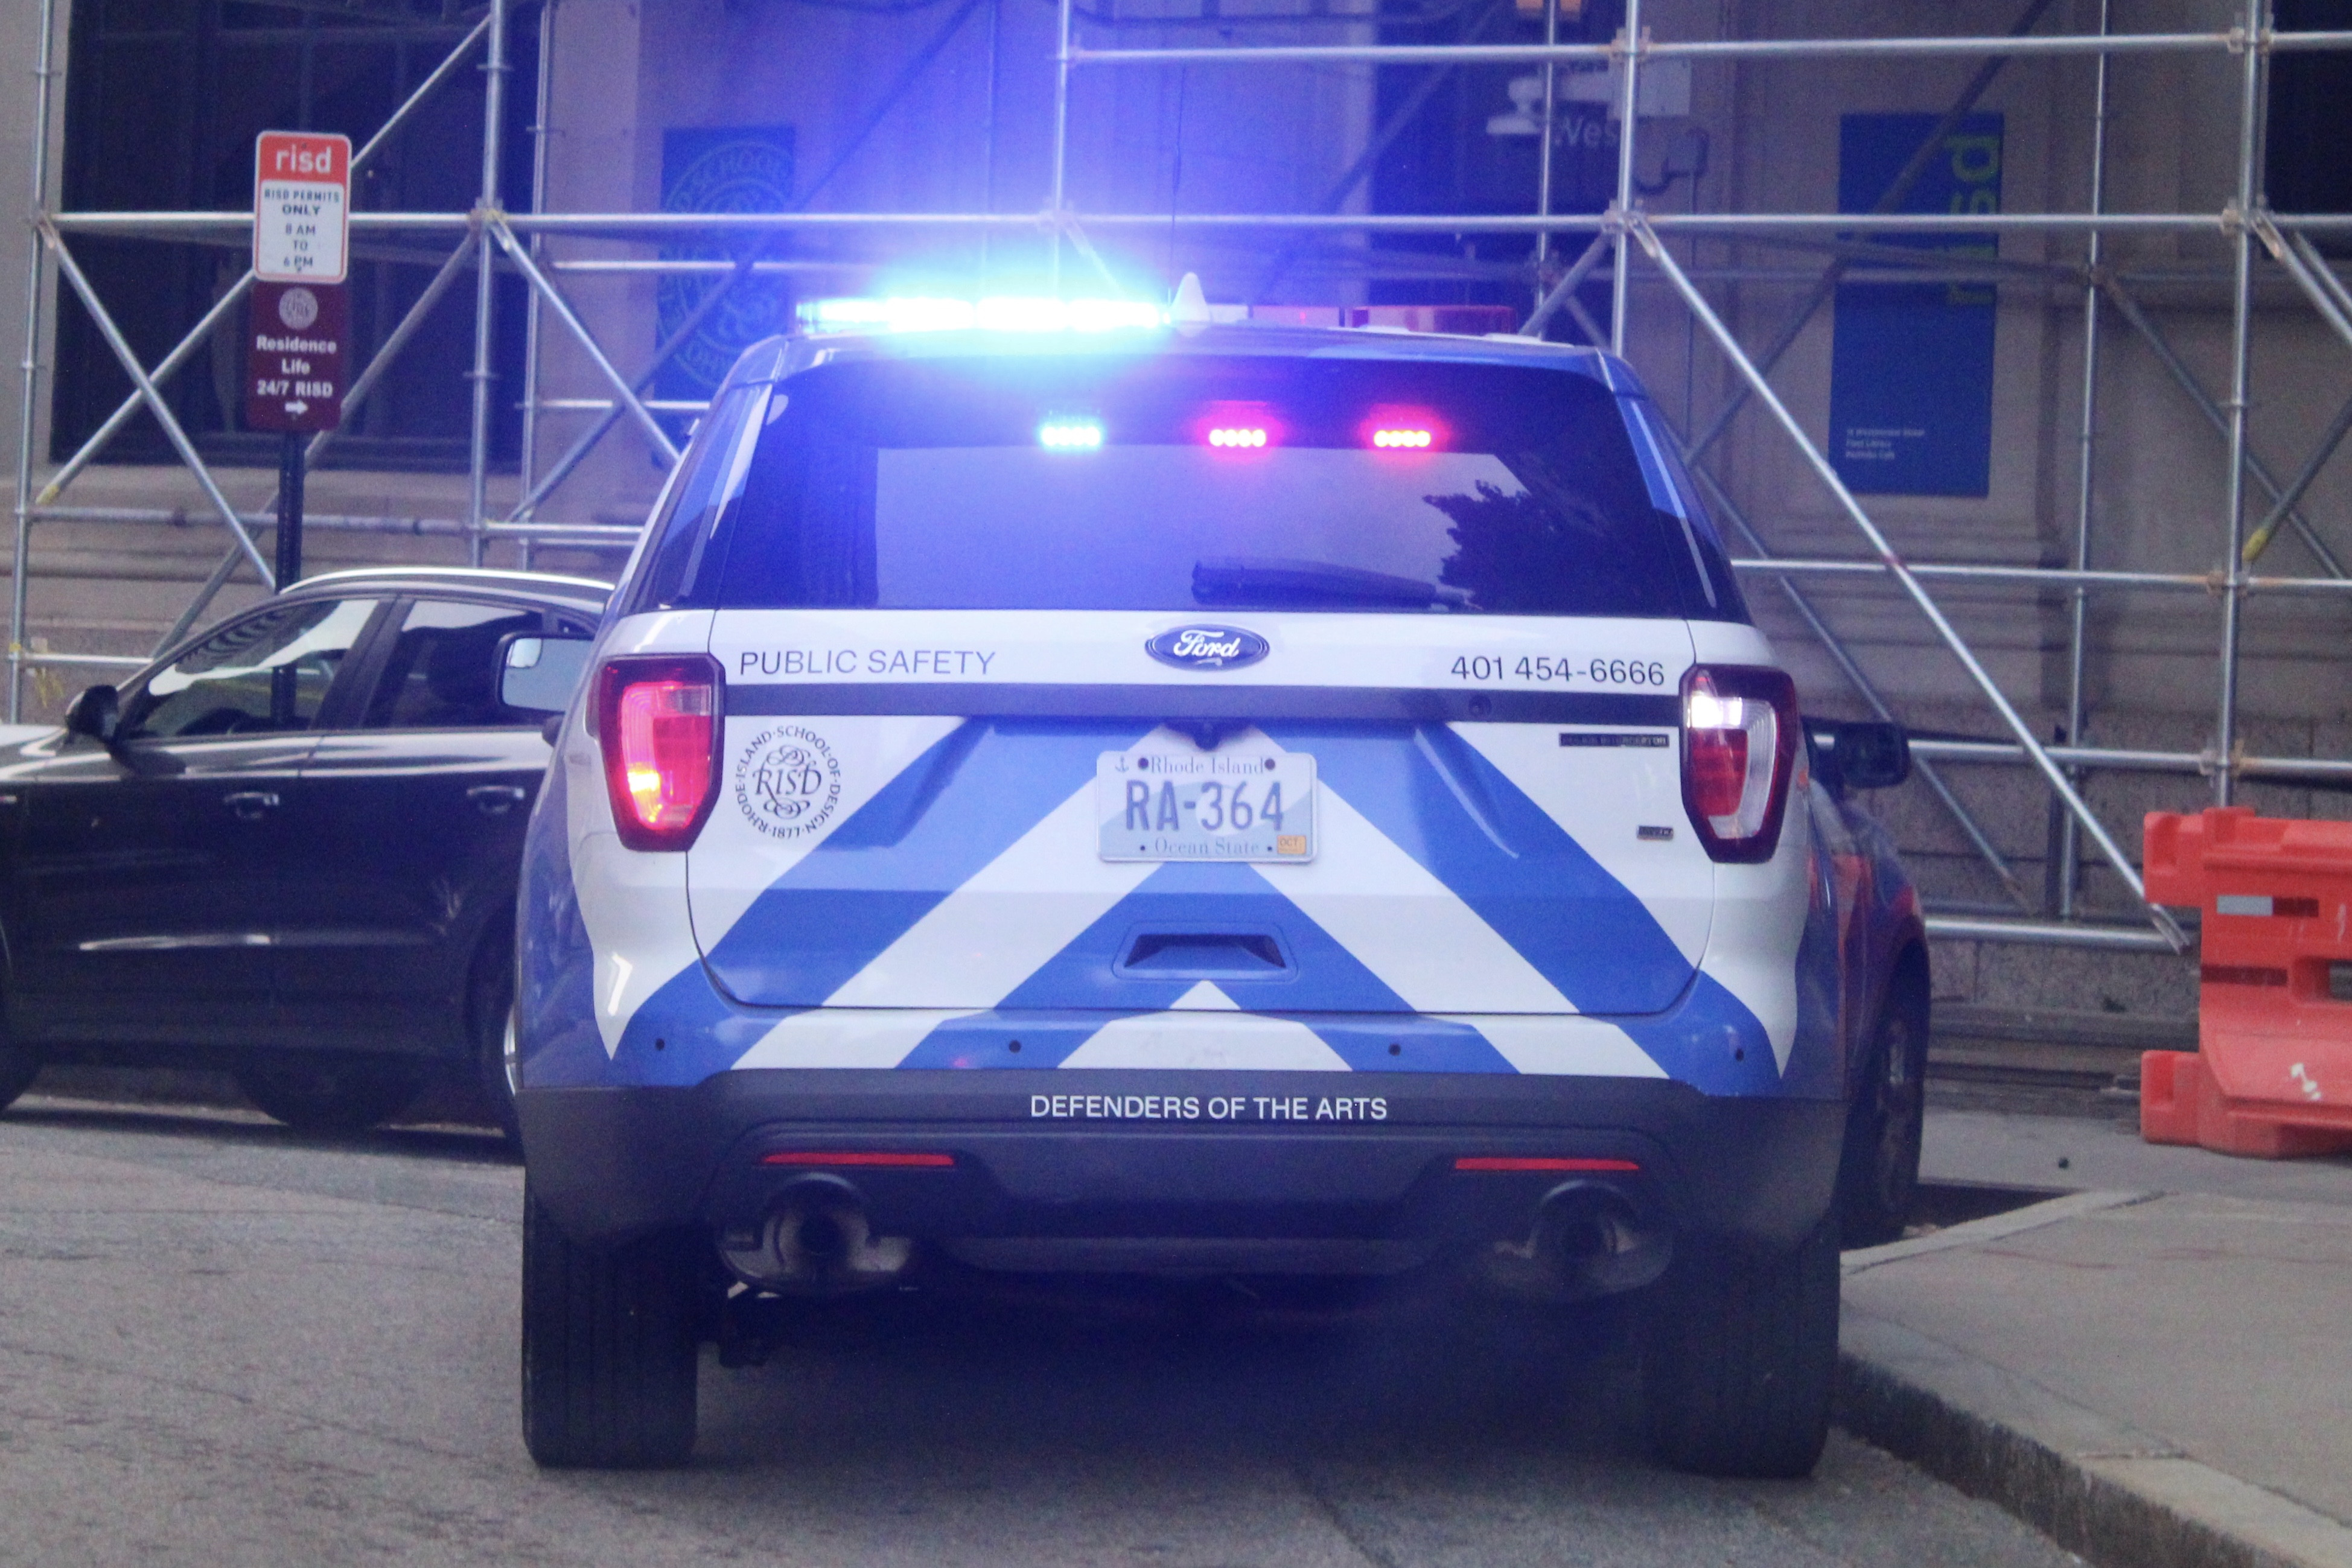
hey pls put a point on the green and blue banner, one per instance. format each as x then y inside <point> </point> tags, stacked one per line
<point>1911,371</point>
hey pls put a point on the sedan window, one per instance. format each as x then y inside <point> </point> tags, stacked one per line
<point>443,669</point>
<point>267,673</point>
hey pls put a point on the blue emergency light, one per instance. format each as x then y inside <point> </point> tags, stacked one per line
<point>1006,313</point>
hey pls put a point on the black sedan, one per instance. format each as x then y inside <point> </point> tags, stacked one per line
<point>289,847</point>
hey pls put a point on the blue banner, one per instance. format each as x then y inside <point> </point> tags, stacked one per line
<point>1911,369</point>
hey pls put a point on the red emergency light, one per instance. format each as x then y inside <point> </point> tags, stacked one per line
<point>1239,427</point>
<point>1391,428</point>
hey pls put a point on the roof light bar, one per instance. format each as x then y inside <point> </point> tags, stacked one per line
<point>1237,435</point>
<point>1003,313</point>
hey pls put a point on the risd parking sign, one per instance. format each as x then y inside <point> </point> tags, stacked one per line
<point>302,207</point>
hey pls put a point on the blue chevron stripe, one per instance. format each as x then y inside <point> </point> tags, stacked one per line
<point>1543,894</point>
<point>1326,979</point>
<point>945,814</point>
<point>1536,886</point>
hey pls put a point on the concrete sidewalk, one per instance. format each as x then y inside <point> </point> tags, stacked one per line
<point>2154,1374</point>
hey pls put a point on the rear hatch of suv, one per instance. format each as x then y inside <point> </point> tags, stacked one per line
<point>1199,679</point>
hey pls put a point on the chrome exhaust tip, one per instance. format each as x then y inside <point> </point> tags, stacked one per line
<point>815,1240</point>
<point>1586,1242</point>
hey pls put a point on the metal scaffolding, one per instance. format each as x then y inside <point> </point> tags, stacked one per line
<point>1624,240</point>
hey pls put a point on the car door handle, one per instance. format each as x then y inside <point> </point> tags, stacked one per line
<point>251,804</point>
<point>497,800</point>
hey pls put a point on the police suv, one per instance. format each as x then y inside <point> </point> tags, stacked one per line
<point>1209,800</point>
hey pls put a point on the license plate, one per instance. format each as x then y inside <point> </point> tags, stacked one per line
<point>1205,805</point>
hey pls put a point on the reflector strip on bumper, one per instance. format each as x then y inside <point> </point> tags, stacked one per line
<point>856,1157</point>
<point>1538,1163</point>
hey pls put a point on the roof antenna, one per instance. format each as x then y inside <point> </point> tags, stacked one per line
<point>1190,312</point>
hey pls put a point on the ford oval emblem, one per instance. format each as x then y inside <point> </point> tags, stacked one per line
<point>1207,647</point>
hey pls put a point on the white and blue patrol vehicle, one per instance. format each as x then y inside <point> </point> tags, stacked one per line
<point>1202,800</point>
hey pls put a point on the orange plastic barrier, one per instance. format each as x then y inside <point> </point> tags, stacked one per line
<point>2271,1074</point>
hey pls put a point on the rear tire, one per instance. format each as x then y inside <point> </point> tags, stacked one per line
<point>1742,1355</point>
<point>19,1065</point>
<point>322,1093</point>
<point>1879,1172</point>
<point>609,1348</point>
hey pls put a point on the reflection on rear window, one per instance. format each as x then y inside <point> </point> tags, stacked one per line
<point>1185,483</point>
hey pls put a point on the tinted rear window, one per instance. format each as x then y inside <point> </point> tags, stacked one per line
<point>1185,483</point>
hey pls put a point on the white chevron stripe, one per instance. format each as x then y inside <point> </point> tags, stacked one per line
<point>1002,925</point>
<point>1207,1041</point>
<point>845,1037</point>
<point>1567,1047</point>
<point>1397,920</point>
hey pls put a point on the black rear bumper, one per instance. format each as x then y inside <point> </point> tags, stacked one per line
<point>1176,1154</point>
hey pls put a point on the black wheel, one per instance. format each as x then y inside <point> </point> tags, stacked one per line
<point>1879,1172</point>
<point>19,1065</point>
<point>323,1093</point>
<point>489,1015</point>
<point>609,1348</point>
<point>1740,1357</point>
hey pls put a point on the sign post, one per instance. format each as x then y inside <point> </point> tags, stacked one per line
<point>295,353</point>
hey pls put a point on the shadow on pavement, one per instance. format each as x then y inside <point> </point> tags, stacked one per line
<point>219,1125</point>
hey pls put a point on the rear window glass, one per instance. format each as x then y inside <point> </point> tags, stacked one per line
<point>1183,483</point>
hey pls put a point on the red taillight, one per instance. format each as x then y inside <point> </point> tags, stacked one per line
<point>868,1157</point>
<point>659,722</point>
<point>1739,752</point>
<point>1719,771</point>
<point>1538,1163</point>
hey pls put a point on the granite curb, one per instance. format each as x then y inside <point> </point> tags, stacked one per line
<point>2116,1495</point>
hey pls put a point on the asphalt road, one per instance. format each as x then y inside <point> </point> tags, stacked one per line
<point>222,1343</point>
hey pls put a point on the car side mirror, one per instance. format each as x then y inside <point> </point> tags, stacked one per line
<point>97,713</point>
<point>537,674</point>
<point>1859,755</point>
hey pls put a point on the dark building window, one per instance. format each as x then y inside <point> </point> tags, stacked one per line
<point>1454,154</point>
<point>2311,106</point>
<point>163,100</point>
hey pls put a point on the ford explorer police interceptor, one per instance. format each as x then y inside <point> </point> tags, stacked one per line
<point>1219,800</point>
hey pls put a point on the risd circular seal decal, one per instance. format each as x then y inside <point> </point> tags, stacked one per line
<point>788,782</point>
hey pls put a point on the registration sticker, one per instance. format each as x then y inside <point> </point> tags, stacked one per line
<point>1205,805</point>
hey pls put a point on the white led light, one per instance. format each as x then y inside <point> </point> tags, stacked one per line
<point>896,314</point>
<point>1707,710</point>
<point>1070,435</point>
<point>1004,313</point>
